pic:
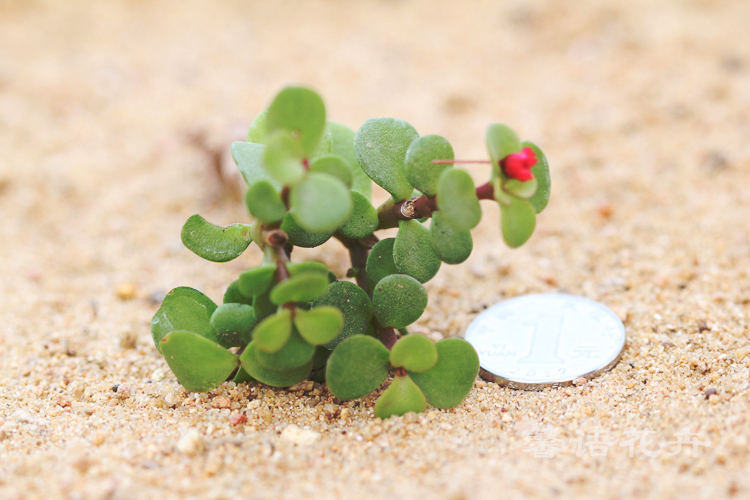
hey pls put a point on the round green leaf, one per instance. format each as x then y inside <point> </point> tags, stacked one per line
<point>525,189</point>
<point>308,266</point>
<point>233,295</point>
<point>299,111</point>
<point>380,261</point>
<point>198,363</point>
<point>275,378</point>
<point>273,332</point>
<point>300,237</point>
<point>363,221</point>
<point>295,353</point>
<point>414,353</point>
<point>449,382</point>
<point>542,176</point>
<point>283,159</point>
<point>380,145</point>
<point>263,306</point>
<point>264,202</point>
<point>413,253</point>
<point>343,145</point>
<point>353,303</point>
<point>185,309</point>
<point>213,242</point>
<point>420,171</point>
<point>517,220</point>
<point>258,131</point>
<point>334,166</point>
<point>357,367</point>
<point>320,203</point>
<point>319,325</point>
<point>401,397</point>
<point>233,324</point>
<point>451,245</point>
<point>249,159</point>
<point>304,287</point>
<point>501,141</point>
<point>457,199</point>
<point>398,300</point>
<point>254,282</point>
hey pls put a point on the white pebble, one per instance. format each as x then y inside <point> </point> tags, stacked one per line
<point>298,435</point>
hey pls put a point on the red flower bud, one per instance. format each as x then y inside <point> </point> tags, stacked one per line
<point>518,165</point>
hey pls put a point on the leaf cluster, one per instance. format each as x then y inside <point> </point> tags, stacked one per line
<point>309,180</point>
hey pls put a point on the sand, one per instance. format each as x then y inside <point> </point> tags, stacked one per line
<point>113,120</point>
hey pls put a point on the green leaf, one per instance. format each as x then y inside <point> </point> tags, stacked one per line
<point>501,141</point>
<point>198,363</point>
<point>295,353</point>
<point>269,376</point>
<point>401,397</point>
<point>457,199</point>
<point>413,253</point>
<point>264,202</point>
<point>233,324</point>
<point>542,176</point>
<point>334,166</point>
<point>420,171</point>
<point>305,287</point>
<point>353,303</point>
<point>343,145</point>
<point>319,325</point>
<point>254,282</point>
<point>258,131</point>
<point>320,203</point>
<point>308,266</point>
<point>449,382</point>
<point>233,295</point>
<point>185,309</point>
<point>249,159</point>
<point>398,300</point>
<point>380,262</point>
<point>380,145</point>
<point>242,376</point>
<point>213,242</point>
<point>273,332</point>
<point>451,245</point>
<point>300,237</point>
<point>320,358</point>
<point>363,221</point>
<point>414,353</point>
<point>357,367</point>
<point>299,111</point>
<point>263,306</point>
<point>283,159</point>
<point>517,220</point>
<point>521,189</point>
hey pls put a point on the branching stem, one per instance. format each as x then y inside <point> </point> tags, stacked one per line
<point>359,250</point>
<point>390,212</point>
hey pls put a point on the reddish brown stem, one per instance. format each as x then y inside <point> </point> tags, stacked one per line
<point>486,191</point>
<point>387,335</point>
<point>400,372</point>
<point>359,250</point>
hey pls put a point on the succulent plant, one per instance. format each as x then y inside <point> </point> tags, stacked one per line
<point>310,180</point>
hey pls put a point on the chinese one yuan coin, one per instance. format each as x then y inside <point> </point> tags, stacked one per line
<point>546,340</point>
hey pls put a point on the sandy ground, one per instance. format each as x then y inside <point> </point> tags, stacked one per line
<point>643,108</point>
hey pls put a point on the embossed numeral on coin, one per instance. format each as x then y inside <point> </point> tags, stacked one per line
<point>545,340</point>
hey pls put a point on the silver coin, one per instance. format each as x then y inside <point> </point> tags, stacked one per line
<point>536,341</point>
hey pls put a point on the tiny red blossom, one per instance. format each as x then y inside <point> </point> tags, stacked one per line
<point>518,165</point>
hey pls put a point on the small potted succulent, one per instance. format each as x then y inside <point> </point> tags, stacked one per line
<point>310,180</point>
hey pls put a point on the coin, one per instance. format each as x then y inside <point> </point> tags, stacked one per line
<point>546,340</point>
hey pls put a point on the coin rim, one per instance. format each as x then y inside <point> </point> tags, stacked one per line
<point>538,386</point>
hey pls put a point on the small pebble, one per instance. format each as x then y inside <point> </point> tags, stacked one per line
<point>298,435</point>
<point>238,419</point>
<point>125,291</point>
<point>220,402</point>
<point>191,443</point>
